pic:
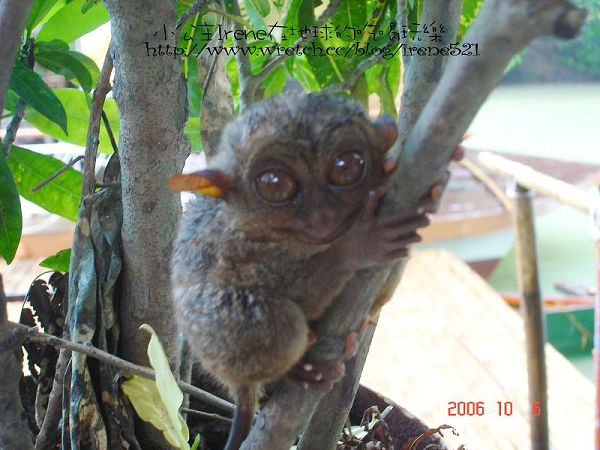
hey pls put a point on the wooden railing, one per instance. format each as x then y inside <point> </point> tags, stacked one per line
<point>527,180</point>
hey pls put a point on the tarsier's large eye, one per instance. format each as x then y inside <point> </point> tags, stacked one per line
<point>276,186</point>
<point>347,169</point>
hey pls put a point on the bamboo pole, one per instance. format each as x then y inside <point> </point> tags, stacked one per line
<point>541,183</point>
<point>596,233</point>
<point>532,310</point>
<point>527,178</point>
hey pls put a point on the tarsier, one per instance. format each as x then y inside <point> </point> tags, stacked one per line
<point>287,217</point>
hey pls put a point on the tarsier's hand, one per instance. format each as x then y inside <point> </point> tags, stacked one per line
<point>375,239</point>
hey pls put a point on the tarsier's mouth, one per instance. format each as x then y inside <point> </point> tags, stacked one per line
<point>321,238</point>
<point>312,238</point>
<point>306,237</point>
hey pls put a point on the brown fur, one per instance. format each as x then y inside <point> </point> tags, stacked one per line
<point>245,282</point>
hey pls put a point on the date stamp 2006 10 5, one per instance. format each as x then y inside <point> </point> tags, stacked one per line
<point>479,408</point>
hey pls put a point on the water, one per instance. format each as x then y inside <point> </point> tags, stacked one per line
<point>560,121</point>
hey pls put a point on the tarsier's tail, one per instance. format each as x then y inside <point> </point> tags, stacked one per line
<point>247,403</point>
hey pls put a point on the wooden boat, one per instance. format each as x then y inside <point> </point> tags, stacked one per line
<point>468,207</point>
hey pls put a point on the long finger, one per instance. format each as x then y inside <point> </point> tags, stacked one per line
<point>405,227</point>
<point>375,197</point>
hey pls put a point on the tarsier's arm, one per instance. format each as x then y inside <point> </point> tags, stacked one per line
<point>372,240</point>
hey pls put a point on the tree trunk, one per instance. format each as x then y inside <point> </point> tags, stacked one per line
<point>151,96</point>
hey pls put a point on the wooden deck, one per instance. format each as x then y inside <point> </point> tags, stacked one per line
<point>447,336</point>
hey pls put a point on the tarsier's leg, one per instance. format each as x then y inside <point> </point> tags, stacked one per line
<point>246,337</point>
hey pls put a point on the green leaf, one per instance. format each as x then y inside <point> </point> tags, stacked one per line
<point>60,196</point>
<point>10,103</point>
<point>87,4</point>
<point>35,92</point>
<point>350,13</point>
<point>158,401</point>
<point>194,87</point>
<point>192,131</point>
<point>59,261</point>
<point>469,12</point>
<point>76,103</point>
<point>89,64</point>
<point>39,10</point>
<point>360,90</point>
<point>274,83</point>
<point>11,219</point>
<point>300,69</point>
<point>69,23</point>
<point>53,45</point>
<point>168,390</point>
<point>67,65</point>
<point>146,400</point>
<point>386,94</point>
<point>196,443</point>
<point>263,7</point>
<point>254,15</point>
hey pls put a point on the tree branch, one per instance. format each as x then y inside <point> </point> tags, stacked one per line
<point>91,146</point>
<point>330,415</point>
<point>56,174</point>
<point>13,126</point>
<point>243,61</point>
<point>33,335</point>
<point>13,14</point>
<point>427,151</point>
<point>182,19</point>
<point>421,78</point>
<point>15,122</point>
<point>402,22</point>
<point>355,75</point>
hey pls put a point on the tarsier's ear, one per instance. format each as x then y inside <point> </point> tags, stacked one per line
<point>388,129</point>
<point>211,182</point>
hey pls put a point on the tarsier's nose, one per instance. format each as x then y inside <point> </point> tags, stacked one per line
<point>322,224</point>
<point>322,218</point>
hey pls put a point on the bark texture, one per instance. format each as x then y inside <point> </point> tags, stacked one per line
<point>502,28</point>
<point>150,93</point>
<point>420,78</point>
<point>14,432</point>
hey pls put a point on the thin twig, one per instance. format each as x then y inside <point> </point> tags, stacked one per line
<point>91,147</point>
<point>182,20</point>
<point>109,131</point>
<point>355,75</point>
<point>205,415</point>
<point>213,65</point>
<point>107,185</point>
<point>13,126</point>
<point>488,182</point>
<point>279,60</point>
<point>33,335</point>
<point>60,171</point>
<point>231,17</point>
